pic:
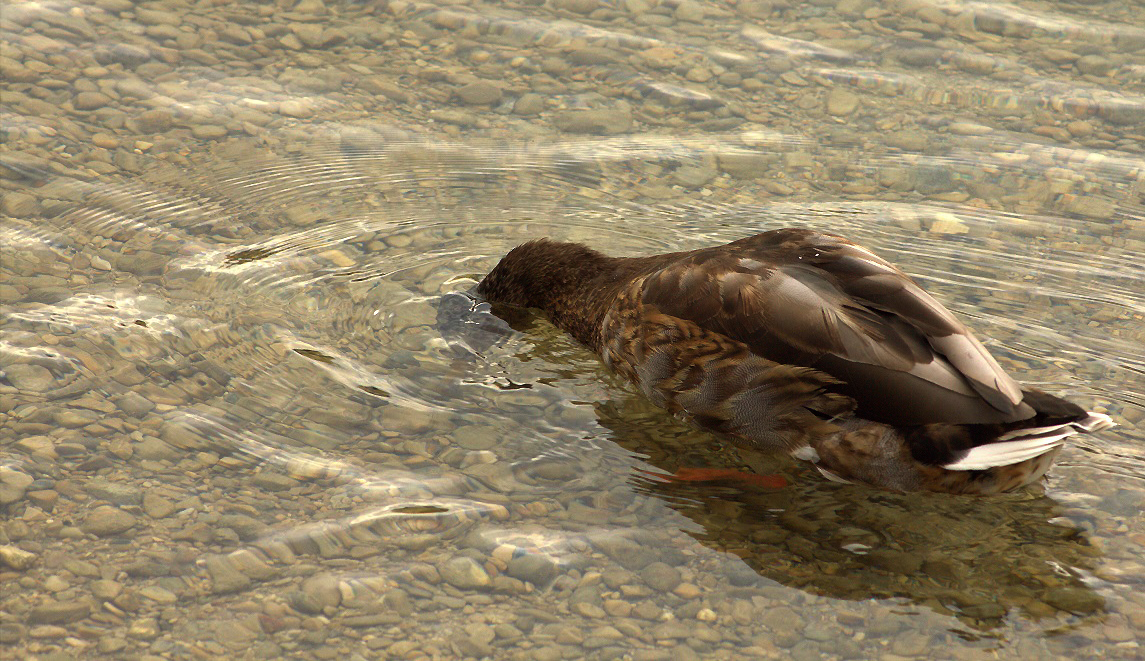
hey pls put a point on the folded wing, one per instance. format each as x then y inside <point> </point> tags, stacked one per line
<point>804,298</point>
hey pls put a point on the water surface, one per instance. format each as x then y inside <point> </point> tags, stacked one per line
<point>247,411</point>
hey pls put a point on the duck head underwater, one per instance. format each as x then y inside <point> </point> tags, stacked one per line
<point>803,342</point>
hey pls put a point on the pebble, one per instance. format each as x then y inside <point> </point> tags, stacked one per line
<point>22,205</point>
<point>841,102</point>
<point>208,131</point>
<point>116,492</point>
<point>529,104</point>
<point>11,632</point>
<point>105,589</point>
<point>23,376</point>
<point>532,567</point>
<point>105,521</point>
<point>1078,600</point>
<point>479,93</point>
<point>660,576</point>
<point>156,120</point>
<point>91,100</point>
<point>600,121</point>
<point>475,437</point>
<point>59,612</point>
<point>37,446</point>
<point>464,573</point>
<point>13,485</point>
<point>16,558</point>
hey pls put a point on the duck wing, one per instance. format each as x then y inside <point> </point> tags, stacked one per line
<point>805,298</point>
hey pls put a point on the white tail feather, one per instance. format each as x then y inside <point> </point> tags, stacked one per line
<point>1024,444</point>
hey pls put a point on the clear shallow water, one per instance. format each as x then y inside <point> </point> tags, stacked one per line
<point>243,419</point>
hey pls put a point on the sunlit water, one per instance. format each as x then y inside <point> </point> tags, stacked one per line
<point>248,411</point>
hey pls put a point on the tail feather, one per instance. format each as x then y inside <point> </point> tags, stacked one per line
<point>1023,444</point>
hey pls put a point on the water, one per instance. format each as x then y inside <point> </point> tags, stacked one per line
<point>247,412</point>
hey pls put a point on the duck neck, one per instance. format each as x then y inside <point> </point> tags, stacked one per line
<point>573,284</point>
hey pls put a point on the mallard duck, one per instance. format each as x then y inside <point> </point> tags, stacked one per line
<point>803,342</point>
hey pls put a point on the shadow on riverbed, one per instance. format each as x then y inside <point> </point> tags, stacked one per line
<point>976,558</point>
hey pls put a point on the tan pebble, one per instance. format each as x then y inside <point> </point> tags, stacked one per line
<point>295,108</point>
<point>1080,129</point>
<point>16,558</point>
<point>208,131</point>
<point>40,446</point>
<point>90,100</point>
<point>945,223</point>
<point>706,615</point>
<point>143,145</point>
<point>337,257</point>
<point>47,631</point>
<point>105,140</point>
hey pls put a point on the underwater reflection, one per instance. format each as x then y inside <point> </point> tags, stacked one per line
<point>977,558</point>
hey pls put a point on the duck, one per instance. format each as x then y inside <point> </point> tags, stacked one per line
<point>803,342</point>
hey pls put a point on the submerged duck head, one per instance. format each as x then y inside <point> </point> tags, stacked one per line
<point>803,342</point>
<point>532,273</point>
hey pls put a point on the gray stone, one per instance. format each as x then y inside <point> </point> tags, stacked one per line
<point>577,6</point>
<point>535,568</point>
<point>59,612</point>
<point>146,628</point>
<point>745,165</point>
<point>11,633</point>
<point>19,205</point>
<point>661,576</point>
<point>1094,65</point>
<point>42,446</point>
<point>479,93</point>
<point>691,176</point>
<point>105,589</point>
<point>894,561</point>
<point>115,492</point>
<point>90,100</point>
<point>529,104</point>
<point>603,121</point>
<point>72,418</point>
<point>156,449</point>
<point>464,573</point>
<point>381,86</point>
<point>30,378</point>
<point>156,506</point>
<point>13,484</point>
<point>841,102</point>
<point>1077,600</point>
<point>624,551</point>
<point>157,17</point>
<point>15,557</point>
<point>155,121</point>
<point>474,437</point>
<point>209,131</point>
<point>106,520</point>
<point>247,527</point>
<point>225,575</point>
<point>322,589</point>
<point>273,481</point>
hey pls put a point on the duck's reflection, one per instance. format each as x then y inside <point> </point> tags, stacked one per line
<point>977,558</point>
